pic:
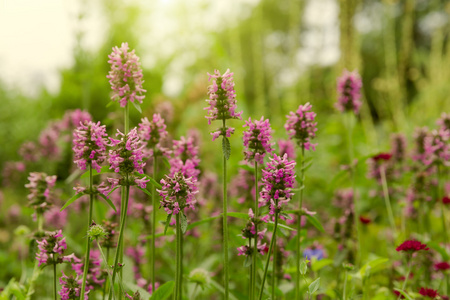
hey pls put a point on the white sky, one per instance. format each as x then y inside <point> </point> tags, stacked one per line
<point>37,36</point>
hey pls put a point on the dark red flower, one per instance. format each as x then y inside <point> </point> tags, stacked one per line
<point>430,293</point>
<point>442,266</point>
<point>364,220</point>
<point>411,246</point>
<point>382,156</point>
<point>397,293</point>
<point>446,200</point>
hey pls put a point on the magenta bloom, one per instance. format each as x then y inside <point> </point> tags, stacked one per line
<point>125,76</point>
<point>301,126</point>
<point>349,92</point>
<point>71,287</point>
<point>411,246</point>
<point>40,187</point>
<point>398,144</point>
<point>286,147</point>
<point>185,158</point>
<point>90,142</point>
<point>419,139</point>
<point>222,102</point>
<point>257,140</point>
<point>178,192</point>
<point>278,179</point>
<point>51,249</point>
<point>29,151</point>
<point>442,266</point>
<point>153,133</point>
<point>444,121</point>
<point>437,146</point>
<point>73,118</point>
<point>48,141</point>
<point>127,157</point>
<point>429,293</point>
<point>96,275</point>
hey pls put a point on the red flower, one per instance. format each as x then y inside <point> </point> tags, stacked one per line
<point>382,156</point>
<point>411,246</point>
<point>446,200</point>
<point>442,266</point>
<point>365,220</point>
<point>430,293</point>
<point>397,293</point>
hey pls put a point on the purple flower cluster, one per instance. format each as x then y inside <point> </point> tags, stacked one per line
<point>40,186</point>
<point>185,158</point>
<point>90,142</point>
<point>398,145</point>
<point>243,186</point>
<point>96,275</point>
<point>127,157</point>
<point>73,119</point>
<point>178,192</point>
<point>125,76</point>
<point>437,146</point>
<point>153,133</point>
<point>71,287</point>
<point>51,249</point>
<point>278,179</point>
<point>257,140</point>
<point>250,232</point>
<point>349,92</point>
<point>444,121</point>
<point>286,147</point>
<point>222,102</point>
<point>301,126</point>
<point>48,141</point>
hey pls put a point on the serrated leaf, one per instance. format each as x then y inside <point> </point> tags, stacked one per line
<point>226,148</point>
<point>286,216</point>
<point>108,201</point>
<point>145,191</point>
<point>314,286</point>
<point>303,267</point>
<point>103,170</point>
<point>248,261</point>
<point>169,217</point>
<point>404,294</point>
<point>113,190</point>
<point>183,223</point>
<point>137,106</point>
<point>315,222</point>
<point>164,291</point>
<point>71,200</point>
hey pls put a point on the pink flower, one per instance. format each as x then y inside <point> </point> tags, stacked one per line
<point>178,192</point>
<point>185,158</point>
<point>301,126</point>
<point>89,141</point>
<point>411,246</point>
<point>444,121</point>
<point>73,119</point>
<point>257,140</point>
<point>125,76</point>
<point>286,147</point>
<point>153,133</point>
<point>40,186</point>
<point>51,249</point>
<point>71,287</point>
<point>349,92</point>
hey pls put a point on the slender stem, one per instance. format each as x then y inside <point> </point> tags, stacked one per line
<point>268,255</point>
<point>225,225</point>
<point>152,258</point>
<point>54,281</point>
<point>177,272</point>
<point>107,267</point>
<point>251,281</point>
<point>88,242</point>
<point>106,260</point>
<point>387,199</point>
<point>36,269</point>
<point>344,293</point>
<point>181,262</point>
<point>255,240</point>
<point>299,227</point>
<point>407,275</point>
<point>40,221</point>
<point>444,223</point>
<point>120,241</point>
<point>194,293</point>
<point>274,266</point>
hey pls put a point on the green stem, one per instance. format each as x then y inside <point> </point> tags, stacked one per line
<point>106,260</point>
<point>194,293</point>
<point>274,266</point>
<point>88,242</point>
<point>120,240</point>
<point>181,261</point>
<point>299,228</point>
<point>177,272</point>
<point>387,200</point>
<point>255,240</point>
<point>54,281</point>
<point>40,222</point>
<point>152,258</point>
<point>251,282</point>
<point>344,293</point>
<point>268,255</point>
<point>225,225</point>
<point>407,275</point>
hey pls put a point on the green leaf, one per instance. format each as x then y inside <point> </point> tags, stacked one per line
<point>319,264</point>
<point>169,217</point>
<point>164,291</point>
<point>73,176</point>
<point>303,267</point>
<point>404,294</point>
<point>113,190</point>
<point>183,222</point>
<point>110,103</point>
<point>71,200</point>
<point>315,222</point>
<point>226,147</point>
<point>247,168</point>
<point>166,162</point>
<point>314,286</point>
<point>103,170</point>
<point>108,201</point>
<point>442,252</point>
<point>307,166</point>
<point>238,215</point>
<point>248,261</point>
<point>286,216</point>
<point>137,106</point>
<point>145,191</point>
<point>374,266</point>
